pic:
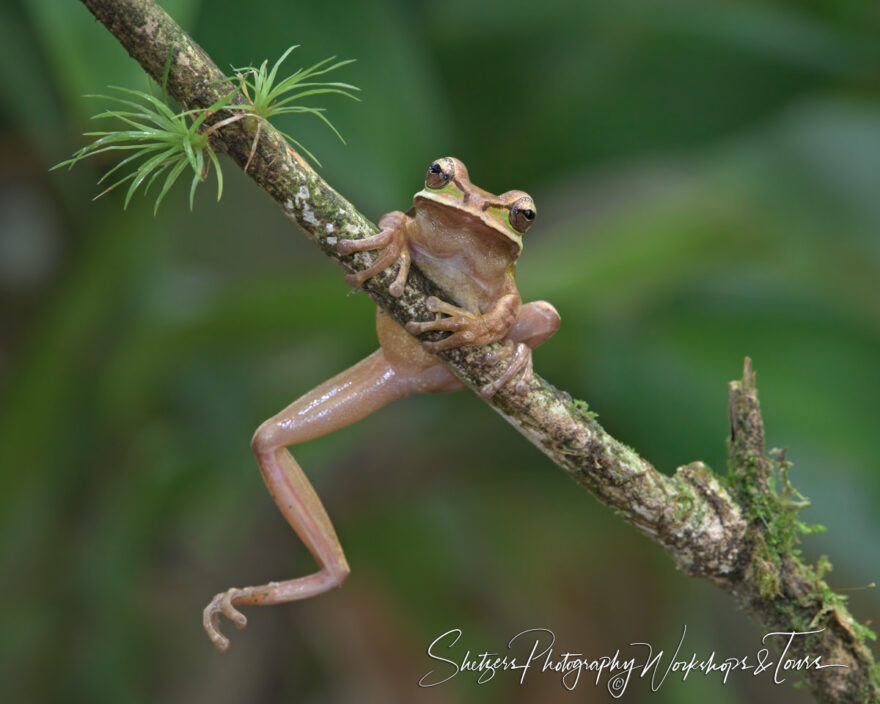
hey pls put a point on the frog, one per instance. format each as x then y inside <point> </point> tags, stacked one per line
<point>467,242</point>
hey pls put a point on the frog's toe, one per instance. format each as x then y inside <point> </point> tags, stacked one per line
<point>519,367</point>
<point>392,240</point>
<point>233,614</point>
<point>222,603</point>
<point>435,305</point>
<point>442,324</point>
<point>396,288</point>
<point>463,338</point>
<point>382,262</point>
<point>211,623</point>
<point>349,246</point>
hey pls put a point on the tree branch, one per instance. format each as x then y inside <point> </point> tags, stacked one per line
<point>731,535</point>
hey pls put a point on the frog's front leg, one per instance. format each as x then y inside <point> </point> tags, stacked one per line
<point>393,241</point>
<point>341,401</point>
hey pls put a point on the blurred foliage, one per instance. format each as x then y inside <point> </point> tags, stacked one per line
<point>707,176</point>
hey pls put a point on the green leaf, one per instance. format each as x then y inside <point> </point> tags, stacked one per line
<point>167,141</point>
<point>141,152</point>
<point>270,97</point>
<point>192,189</point>
<point>169,181</point>
<point>160,106</point>
<point>190,155</point>
<point>298,145</point>
<point>218,172</point>
<point>278,63</point>
<point>144,171</point>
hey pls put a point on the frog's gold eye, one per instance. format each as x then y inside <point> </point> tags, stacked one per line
<point>522,214</point>
<point>440,173</point>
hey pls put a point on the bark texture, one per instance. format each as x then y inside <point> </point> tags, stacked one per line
<point>736,531</point>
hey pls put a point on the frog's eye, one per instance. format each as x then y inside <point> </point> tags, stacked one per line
<point>522,214</point>
<point>440,173</point>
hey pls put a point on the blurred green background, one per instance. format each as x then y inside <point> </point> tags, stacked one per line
<point>708,181</point>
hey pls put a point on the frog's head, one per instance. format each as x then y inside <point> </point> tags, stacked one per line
<point>447,185</point>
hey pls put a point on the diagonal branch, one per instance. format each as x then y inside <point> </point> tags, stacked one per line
<point>707,529</point>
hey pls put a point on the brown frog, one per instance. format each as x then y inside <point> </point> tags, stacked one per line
<point>465,240</point>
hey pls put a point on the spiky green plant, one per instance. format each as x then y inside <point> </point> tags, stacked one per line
<point>167,142</point>
<point>269,97</point>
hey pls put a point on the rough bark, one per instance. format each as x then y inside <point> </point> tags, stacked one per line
<point>736,531</point>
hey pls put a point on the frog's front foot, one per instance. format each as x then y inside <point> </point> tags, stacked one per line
<point>393,243</point>
<point>223,603</point>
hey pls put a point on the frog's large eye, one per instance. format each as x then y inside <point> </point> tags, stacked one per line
<point>440,173</point>
<point>522,214</point>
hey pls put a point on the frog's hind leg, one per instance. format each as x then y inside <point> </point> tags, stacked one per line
<point>535,323</point>
<point>341,401</point>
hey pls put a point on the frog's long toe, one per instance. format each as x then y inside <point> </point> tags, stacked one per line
<point>396,288</point>
<point>389,255</point>
<point>393,243</point>
<point>349,246</point>
<point>442,324</point>
<point>520,365</point>
<point>435,305</point>
<point>222,603</point>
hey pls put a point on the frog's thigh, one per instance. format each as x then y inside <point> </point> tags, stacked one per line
<point>387,374</point>
<point>535,323</point>
<point>420,371</point>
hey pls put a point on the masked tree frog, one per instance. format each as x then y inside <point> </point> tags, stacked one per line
<point>466,241</point>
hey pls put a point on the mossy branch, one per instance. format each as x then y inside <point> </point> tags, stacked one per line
<point>728,534</point>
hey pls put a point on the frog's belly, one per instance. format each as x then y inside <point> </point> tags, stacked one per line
<point>459,278</point>
<point>467,259</point>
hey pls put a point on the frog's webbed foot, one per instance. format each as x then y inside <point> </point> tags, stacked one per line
<point>333,572</point>
<point>393,243</point>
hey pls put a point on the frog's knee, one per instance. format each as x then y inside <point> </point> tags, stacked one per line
<point>544,315</point>
<point>339,573</point>
<point>536,322</point>
<point>264,441</point>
